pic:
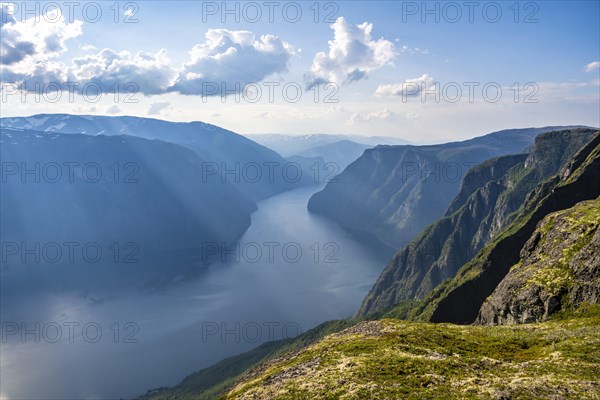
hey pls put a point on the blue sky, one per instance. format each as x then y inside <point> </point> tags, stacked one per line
<point>374,72</point>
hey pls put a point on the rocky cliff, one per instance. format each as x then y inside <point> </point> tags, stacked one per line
<point>459,299</point>
<point>559,270</point>
<point>394,192</point>
<point>490,195</point>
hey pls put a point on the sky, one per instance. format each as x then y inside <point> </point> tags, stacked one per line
<point>421,71</point>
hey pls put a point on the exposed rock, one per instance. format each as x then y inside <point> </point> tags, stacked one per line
<point>460,299</point>
<point>559,269</point>
<point>490,195</point>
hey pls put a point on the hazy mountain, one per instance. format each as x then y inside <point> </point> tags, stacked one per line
<point>490,195</point>
<point>288,145</point>
<point>105,189</point>
<point>394,192</point>
<point>242,162</point>
<point>340,154</point>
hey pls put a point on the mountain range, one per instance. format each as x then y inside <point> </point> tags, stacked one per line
<point>393,192</point>
<point>528,224</point>
<point>255,170</point>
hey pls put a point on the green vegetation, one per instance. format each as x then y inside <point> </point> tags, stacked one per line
<point>392,359</point>
<point>215,380</point>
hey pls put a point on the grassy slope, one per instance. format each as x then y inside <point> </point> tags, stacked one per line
<point>215,380</point>
<point>392,359</point>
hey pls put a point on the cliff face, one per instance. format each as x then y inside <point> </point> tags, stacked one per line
<point>394,192</point>
<point>559,269</point>
<point>490,195</point>
<point>460,299</point>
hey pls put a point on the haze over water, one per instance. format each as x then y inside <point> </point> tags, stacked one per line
<point>229,308</point>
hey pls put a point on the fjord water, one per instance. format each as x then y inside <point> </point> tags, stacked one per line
<point>152,338</point>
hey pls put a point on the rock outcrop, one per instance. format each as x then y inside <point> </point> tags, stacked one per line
<point>559,269</point>
<point>459,299</point>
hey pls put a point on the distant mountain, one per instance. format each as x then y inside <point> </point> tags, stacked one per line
<point>340,154</point>
<point>104,189</point>
<point>242,162</point>
<point>394,192</point>
<point>288,145</point>
<point>490,195</point>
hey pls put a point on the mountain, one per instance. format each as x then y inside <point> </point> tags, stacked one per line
<point>549,250</point>
<point>340,154</point>
<point>255,170</point>
<point>105,189</point>
<point>394,192</point>
<point>490,195</point>
<point>289,145</point>
<point>558,270</point>
<point>460,299</point>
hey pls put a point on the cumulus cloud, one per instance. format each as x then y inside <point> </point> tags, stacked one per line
<point>381,115</point>
<point>408,88</point>
<point>352,54</point>
<point>144,72</point>
<point>228,58</point>
<point>592,66</point>
<point>23,42</point>
<point>158,107</point>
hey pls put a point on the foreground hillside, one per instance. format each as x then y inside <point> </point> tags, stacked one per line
<point>392,359</point>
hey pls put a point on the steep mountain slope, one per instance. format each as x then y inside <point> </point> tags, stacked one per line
<point>558,270</point>
<point>108,189</point>
<point>394,192</point>
<point>391,359</point>
<point>489,196</point>
<point>459,299</point>
<point>227,152</point>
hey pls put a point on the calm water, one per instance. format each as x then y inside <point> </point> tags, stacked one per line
<point>293,271</point>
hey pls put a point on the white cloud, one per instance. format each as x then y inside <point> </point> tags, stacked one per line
<point>29,48</point>
<point>413,50</point>
<point>114,109</point>
<point>592,66</point>
<point>226,59</point>
<point>145,72</point>
<point>88,47</point>
<point>229,58</point>
<point>381,115</point>
<point>352,54</point>
<point>158,107</point>
<point>409,88</point>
